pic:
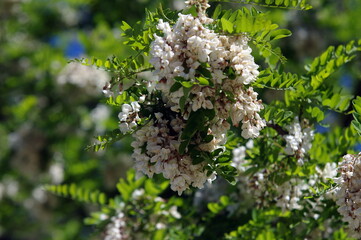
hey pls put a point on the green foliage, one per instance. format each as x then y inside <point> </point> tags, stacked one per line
<point>44,123</point>
<point>277,113</point>
<point>106,140</point>
<point>140,35</point>
<point>341,235</point>
<point>315,92</point>
<point>197,121</point>
<point>259,226</point>
<point>330,60</point>
<point>25,108</point>
<point>339,102</point>
<point>244,21</point>
<point>215,208</point>
<point>78,193</point>
<point>290,4</point>
<point>223,167</point>
<point>141,208</point>
<point>356,123</point>
<point>331,146</point>
<point>108,65</point>
<point>125,70</point>
<point>259,28</point>
<point>277,81</point>
<point>315,113</point>
<point>126,187</point>
<point>152,187</point>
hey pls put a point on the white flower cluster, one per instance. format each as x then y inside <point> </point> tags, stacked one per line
<point>324,231</point>
<point>90,79</point>
<point>99,116</point>
<point>156,151</point>
<point>298,140</point>
<point>288,195</point>
<point>182,51</point>
<point>348,193</point>
<point>122,227</point>
<point>328,172</point>
<point>9,188</point>
<point>239,155</point>
<point>185,50</point>
<point>129,116</point>
<point>56,172</point>
<point>117,228</point>
<point>201,5</point>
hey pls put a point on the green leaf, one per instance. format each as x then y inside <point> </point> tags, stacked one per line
<point>183,146</point>
<point>153,188</point>
<point>336,101</point>
<point>124,189</point>
<point>179,79</point>
<point>277,113</point>
<point>192,10</point>
<point>217,11</point>
<point>217,152</point>
<point>127,186</point>
<point>187,84</point>
<point>204,71</point>
<point>182,102</point>
<point>316,113</point>
<point>224,159</point>
<point>357,104</point>
<point>78,193</point>
<point>160,234</point>
<point>214,207</point>
<point>102,199</point>
<point>227,25</point>
<point>203,81</point>
<point>280,33</point>
<point>329,61</point>
<point>107,140</point>
<point>184,98</point>
<point>291,4</point>
<point>356,123</point>
<point>175,87</point>
<point>197,160</point>
<point>125,26</point>
<point>277,81</point>
<point>224,200</point>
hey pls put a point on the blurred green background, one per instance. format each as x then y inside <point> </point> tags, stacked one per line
<point>51,110</point>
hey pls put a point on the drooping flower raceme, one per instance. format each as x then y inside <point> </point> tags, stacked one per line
<point>129,116</point>
<point>132,222</point>
<point>348,193</point>
<point>90,79</point>
<point>182,52</point>
<point>287,195</point>
<point>191,68</point>
<point>239,155</point>
<point>290,194</point>
<point>298,140</point>
<point>329,171</point>
<point>117,228</point>
<point>156,151</point>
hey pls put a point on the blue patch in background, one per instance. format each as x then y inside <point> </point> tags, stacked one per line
<point>74,49</point>
<point>346,81</point>
<point>321,129</point>
<point>54,41</point>
<point>357,147</point>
